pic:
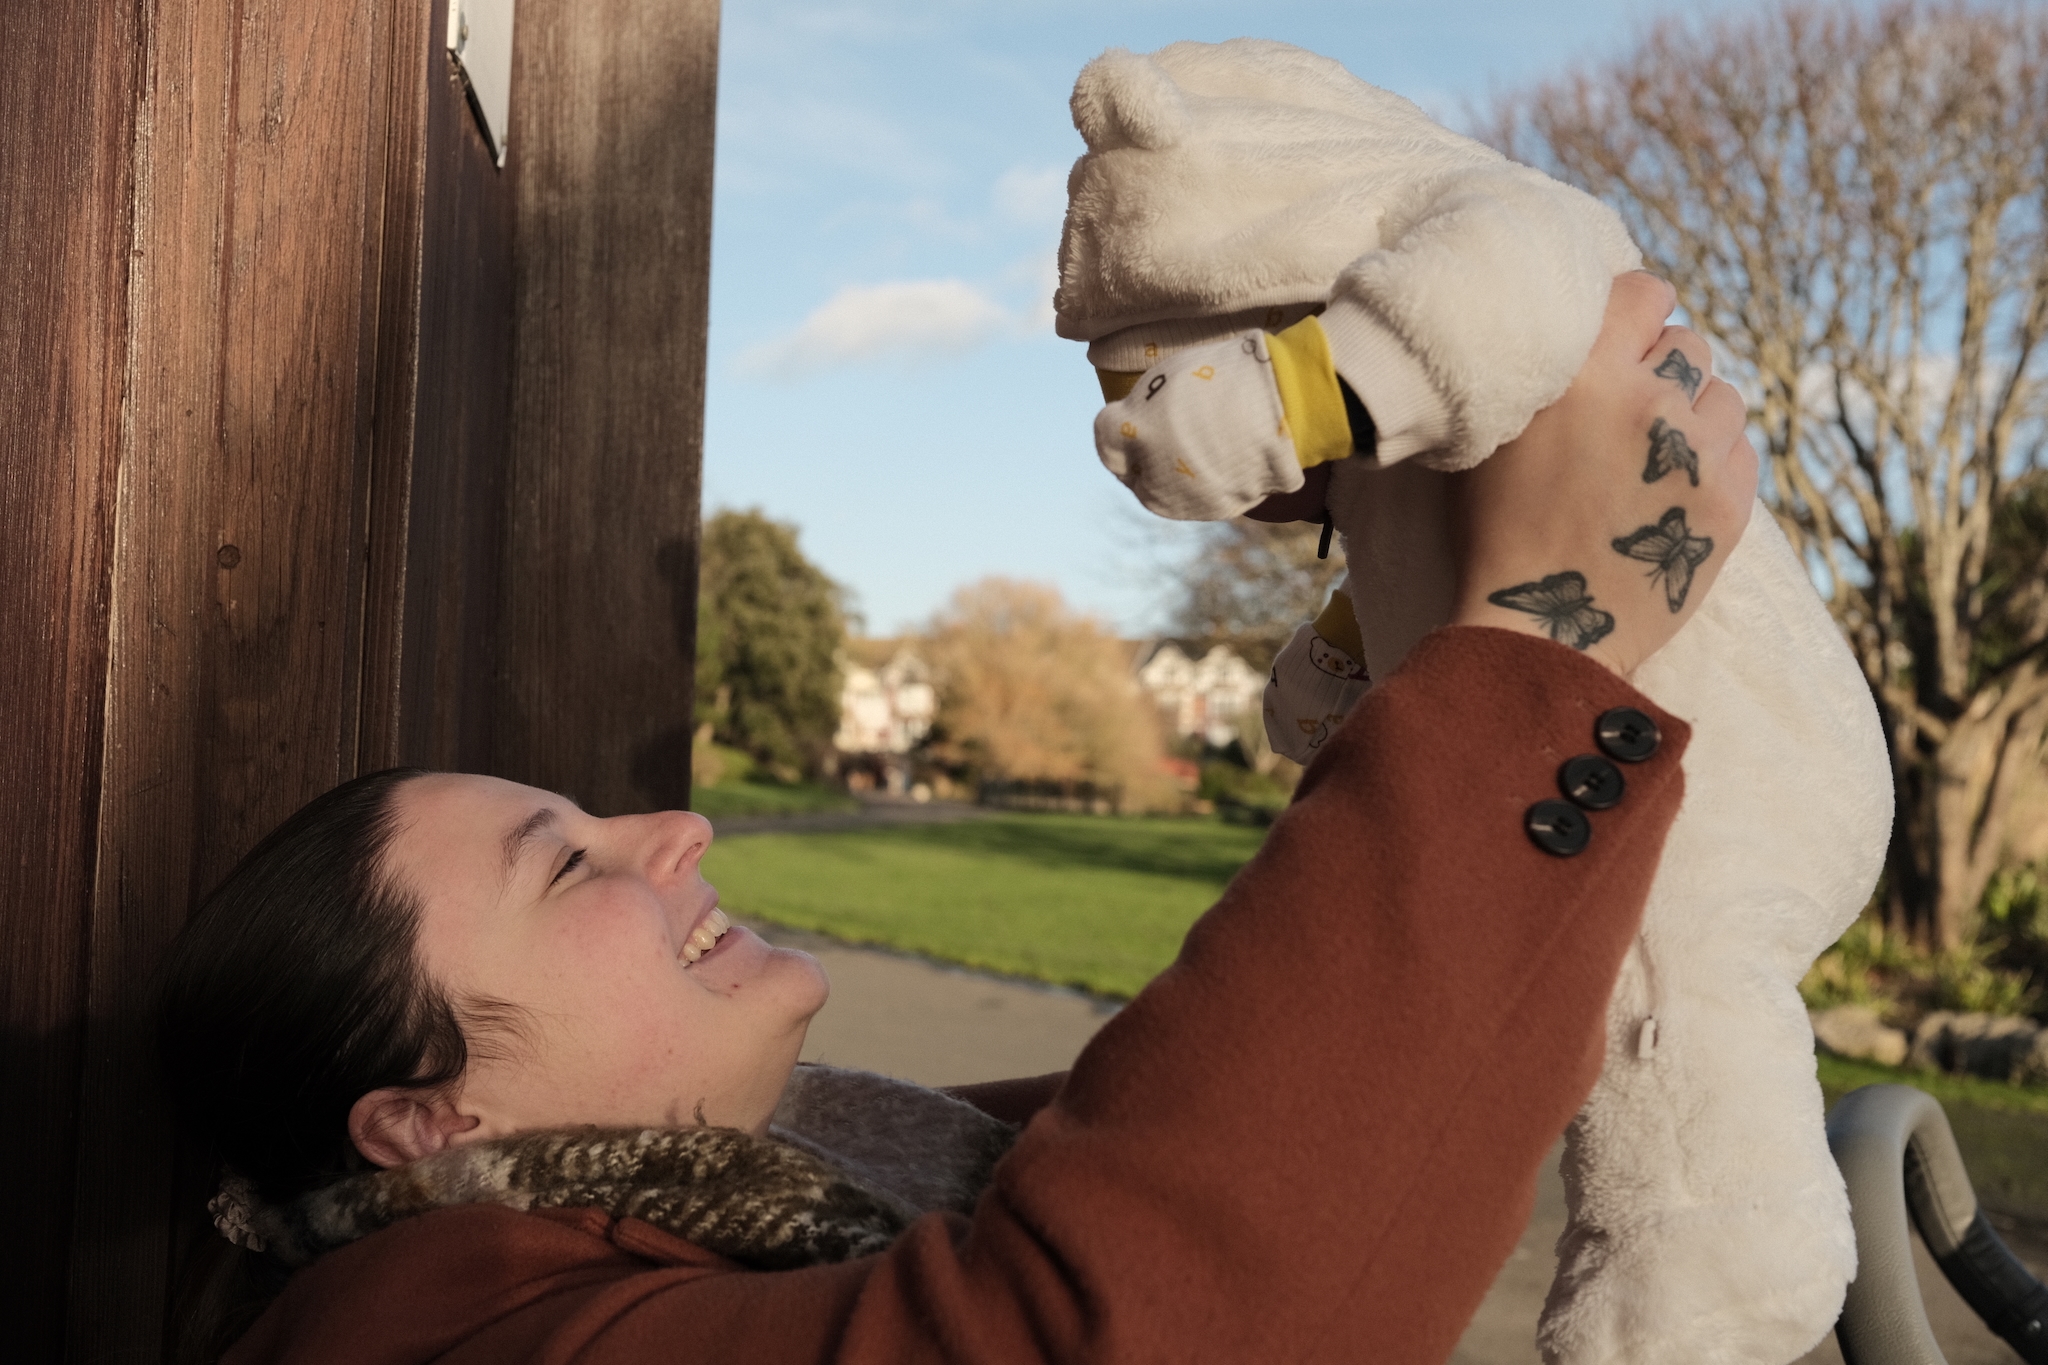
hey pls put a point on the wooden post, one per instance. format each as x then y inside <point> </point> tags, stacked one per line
<point>613,102</point>
<point>67,122</point>
<point>270,315</point>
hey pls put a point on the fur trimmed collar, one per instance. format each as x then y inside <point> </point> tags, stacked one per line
<point>850,1161</point>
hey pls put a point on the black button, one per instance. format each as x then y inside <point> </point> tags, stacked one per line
<point>1627,734</point>
<point>1591,782</point>
<point>1558,827</point>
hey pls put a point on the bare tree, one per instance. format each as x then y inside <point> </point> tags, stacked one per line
<point>1248,584</point>
<point>1852,208</point>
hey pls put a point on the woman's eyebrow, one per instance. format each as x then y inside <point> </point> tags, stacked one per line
<point>523,833</point>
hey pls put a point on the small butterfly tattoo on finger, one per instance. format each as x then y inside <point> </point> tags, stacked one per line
<point>1670,450</point>
<point>1562,604</point>
<point>1671,550</point>
<point>1687,375</point>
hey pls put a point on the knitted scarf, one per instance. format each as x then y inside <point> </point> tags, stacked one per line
<point>850,1160</point>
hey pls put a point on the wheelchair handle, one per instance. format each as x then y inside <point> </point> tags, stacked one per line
<point>1899,1159</point>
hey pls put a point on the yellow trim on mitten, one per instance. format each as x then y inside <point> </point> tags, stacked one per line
<point>1309,396</point>
<point>1338,624</point>
<point>1117,383</point>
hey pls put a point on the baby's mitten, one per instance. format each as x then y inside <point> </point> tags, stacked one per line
<point>1315,682</point>
<point>1218,428</point>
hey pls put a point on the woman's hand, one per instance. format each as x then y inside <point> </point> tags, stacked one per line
<point>1604,524</point>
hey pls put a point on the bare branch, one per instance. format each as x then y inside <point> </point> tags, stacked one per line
<point>1853,204</point>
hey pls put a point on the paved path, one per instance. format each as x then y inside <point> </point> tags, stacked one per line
<point>937,1025</point>
<point>941,1025</point>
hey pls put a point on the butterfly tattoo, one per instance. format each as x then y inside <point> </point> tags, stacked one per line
<point>1561,604</point>
<point>1671,550</point>
<point>1687,375</point>
<point>1670,450</point>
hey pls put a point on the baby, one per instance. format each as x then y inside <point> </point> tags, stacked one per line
<point>1287,278</point>
<point>1222,428</point>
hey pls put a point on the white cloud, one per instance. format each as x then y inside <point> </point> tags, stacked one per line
<point>866,322</point>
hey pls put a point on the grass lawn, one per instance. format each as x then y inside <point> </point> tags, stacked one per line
<point>2001,1130</point>
<point>731,799</point>
<point>1082,901</point>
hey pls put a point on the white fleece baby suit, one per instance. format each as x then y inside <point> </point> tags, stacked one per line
<point>1242,205</point>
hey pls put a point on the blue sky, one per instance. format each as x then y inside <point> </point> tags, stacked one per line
<point>891,175</point>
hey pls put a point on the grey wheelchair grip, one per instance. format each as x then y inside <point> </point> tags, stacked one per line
<point>1899,1160</point>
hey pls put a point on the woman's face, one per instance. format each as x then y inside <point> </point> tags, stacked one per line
<point>585,925</point>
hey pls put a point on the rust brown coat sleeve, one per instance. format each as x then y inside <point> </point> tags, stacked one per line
<point>1012,1101</point>
<point>1314,1138</point>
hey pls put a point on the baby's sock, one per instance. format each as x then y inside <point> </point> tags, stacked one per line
<point>1315,682</point>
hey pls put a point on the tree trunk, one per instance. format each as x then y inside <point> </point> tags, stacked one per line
<point>1952,826</point>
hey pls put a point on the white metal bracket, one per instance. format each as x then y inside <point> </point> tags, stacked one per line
<point>480,41</point>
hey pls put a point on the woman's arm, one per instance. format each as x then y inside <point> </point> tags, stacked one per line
<point>1317,1133</point>
<point>1012,1101</point>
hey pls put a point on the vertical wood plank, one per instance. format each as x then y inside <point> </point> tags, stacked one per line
<point>236,628</point>
<point>444,385</point>
<point>66,124</point>
<point>612,112</point>
<point>461,450</point>
<point>393,417</point>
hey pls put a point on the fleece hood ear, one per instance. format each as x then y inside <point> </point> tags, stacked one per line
<point>1124,100</point>
<point>1222,177</point>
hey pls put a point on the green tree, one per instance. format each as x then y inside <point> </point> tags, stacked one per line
<point>770,626</point>
<point>1854,208</point>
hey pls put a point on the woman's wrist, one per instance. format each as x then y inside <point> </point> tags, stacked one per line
<point>1603,524</point>
<point>1559,606</point>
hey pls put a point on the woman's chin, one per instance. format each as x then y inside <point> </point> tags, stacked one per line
<point>804,979</point>
<point>743,960</point>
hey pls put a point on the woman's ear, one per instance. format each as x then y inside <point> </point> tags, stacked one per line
<point>393,1126</point>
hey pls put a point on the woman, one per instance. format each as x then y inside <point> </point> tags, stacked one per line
<point>1316,1135</point>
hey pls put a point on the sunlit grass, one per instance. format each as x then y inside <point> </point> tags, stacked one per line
<point>1101,904</point>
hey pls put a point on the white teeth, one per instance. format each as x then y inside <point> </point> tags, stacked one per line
<point>705,935</point>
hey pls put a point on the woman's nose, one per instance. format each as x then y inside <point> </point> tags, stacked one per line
<point>676,841</point>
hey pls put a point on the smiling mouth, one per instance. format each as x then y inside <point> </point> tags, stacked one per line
<point>705,936</point>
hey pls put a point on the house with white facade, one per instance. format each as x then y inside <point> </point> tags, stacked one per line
<point>886,705</point>
<point>1210,696</point>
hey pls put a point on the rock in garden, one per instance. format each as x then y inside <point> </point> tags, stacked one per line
<point>2000,1047</point>
<point>1854,1031</point>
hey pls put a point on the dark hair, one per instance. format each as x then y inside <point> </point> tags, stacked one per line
<point>296,990</point>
